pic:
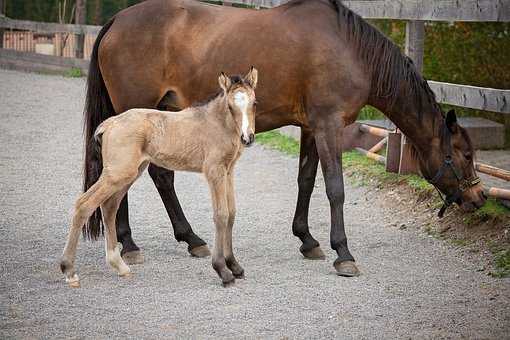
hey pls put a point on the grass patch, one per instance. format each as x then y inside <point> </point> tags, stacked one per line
<point>357,164</point>
<point>277,141</point>
<point>501,264</point>
<point>366,170</point>
<point>74,73</point>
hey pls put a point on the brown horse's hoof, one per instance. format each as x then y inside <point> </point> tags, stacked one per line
<point>314,254</point>
<point>346,268</point>
<point>200,251</point>
<point>133,257</point>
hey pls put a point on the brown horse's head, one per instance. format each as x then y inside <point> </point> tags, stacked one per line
<point>449,166</point>
<point>240,94</point>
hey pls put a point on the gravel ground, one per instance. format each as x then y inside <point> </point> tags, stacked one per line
<point>412,286</point>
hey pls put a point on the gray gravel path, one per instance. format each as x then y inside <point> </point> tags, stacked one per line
<point>412,286</point>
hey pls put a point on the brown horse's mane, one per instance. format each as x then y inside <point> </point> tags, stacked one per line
<point>385,62</point>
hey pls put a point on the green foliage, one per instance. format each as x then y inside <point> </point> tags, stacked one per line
<point>74,73</point>
<point>277,141</point>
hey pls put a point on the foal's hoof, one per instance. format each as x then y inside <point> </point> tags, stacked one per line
<point>75,284</point>
<point>200,251</point>
<point>133,257</point>
<point>314,254</point>
<point>239,274</point>
<point>228,279</point>
<point>73,281</point>
<point>346,268</point>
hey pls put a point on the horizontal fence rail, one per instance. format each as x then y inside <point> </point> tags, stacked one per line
<point>472,97</point>
<point>427,10</point>
<point>47,27</point>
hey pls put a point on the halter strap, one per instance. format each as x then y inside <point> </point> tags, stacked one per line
<point>463,183</point>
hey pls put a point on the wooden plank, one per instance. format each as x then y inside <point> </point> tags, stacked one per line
<point>433,10</point>
<point>493,171</point>
<point>6,54</point>
<point>373,130</point>
<point>498,193</point>
<point>47,27</point>
<point>473,97</point>
<point>371,155</point>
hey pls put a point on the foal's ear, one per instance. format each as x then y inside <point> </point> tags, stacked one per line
<point>224,82</point>
<point>451,121</point>
<point>251,77</point>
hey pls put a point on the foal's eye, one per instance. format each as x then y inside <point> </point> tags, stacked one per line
<point>255,103</point>
<point>468,156</point>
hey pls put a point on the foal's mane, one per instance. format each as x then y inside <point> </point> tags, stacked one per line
<point>385,62</point>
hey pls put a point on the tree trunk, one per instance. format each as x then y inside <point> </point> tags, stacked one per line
<point>80,19</point>
<point>97,13</point>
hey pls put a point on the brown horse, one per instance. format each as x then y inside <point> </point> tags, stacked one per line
<point>207,139</point>
<point>320,63</point>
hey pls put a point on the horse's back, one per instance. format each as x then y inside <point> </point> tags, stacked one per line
<point>179,47</point>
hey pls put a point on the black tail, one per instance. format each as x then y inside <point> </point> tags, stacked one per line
<point>98,107</point>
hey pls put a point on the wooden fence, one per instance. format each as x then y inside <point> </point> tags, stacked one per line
<point>416,12</point>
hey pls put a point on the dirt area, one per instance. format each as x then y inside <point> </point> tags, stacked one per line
<point>412,285</point>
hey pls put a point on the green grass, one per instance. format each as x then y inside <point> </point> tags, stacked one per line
<point>370,113</point>
<point>366,170</point>
<point>74,73</point>
<point>502,264</point>
<point>277,141</point>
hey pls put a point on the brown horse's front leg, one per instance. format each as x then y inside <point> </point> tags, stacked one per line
<point>308,162</point>
<point>217,179</point>
<point>328,137</point>
<point>164,181</point>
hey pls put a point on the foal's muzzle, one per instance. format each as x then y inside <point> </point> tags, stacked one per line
<point>248,140</point>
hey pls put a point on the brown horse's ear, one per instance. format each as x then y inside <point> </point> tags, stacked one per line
<point>451,121</point>
<point>224,82</point>
<point>251,77</point>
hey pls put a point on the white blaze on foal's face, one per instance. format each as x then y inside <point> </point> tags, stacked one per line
<point>243,104</point>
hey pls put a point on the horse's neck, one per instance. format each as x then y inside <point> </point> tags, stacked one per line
<point>218,111</point>
<point>404,114</point>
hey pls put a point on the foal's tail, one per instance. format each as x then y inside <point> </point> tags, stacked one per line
<point>98,107</point>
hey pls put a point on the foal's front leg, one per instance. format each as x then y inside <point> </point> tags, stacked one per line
<point>217,179</point>
<point>231,261</point>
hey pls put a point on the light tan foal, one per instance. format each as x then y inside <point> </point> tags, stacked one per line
<point>207,138</point>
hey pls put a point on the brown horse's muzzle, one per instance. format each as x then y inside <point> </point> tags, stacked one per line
<point>472,199</point>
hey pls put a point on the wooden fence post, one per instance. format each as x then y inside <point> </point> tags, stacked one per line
<point>2,12</point>
<point>415,41</point>
<point>80,19</point>
<point>393,148</point>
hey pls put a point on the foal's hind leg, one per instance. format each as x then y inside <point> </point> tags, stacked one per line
<point>85,206</point>
<point>230,259</point>
<point>109,210</point>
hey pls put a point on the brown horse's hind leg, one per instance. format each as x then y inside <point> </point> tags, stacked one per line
<point>164,181</point>
<point>230,259</point>
<point>109,211</point>
<point>85,206</point>
<point>308,162</point>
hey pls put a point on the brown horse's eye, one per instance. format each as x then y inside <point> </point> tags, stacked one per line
<point>468,157</point>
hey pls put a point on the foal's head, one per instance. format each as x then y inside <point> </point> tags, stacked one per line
<point>240,95</point>
<point>449,165</point>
